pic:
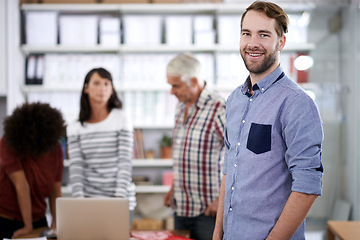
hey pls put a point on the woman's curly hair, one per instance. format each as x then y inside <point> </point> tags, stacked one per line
<point>33,129</point>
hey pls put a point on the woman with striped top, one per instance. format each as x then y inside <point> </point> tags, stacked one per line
<point>100,143</point>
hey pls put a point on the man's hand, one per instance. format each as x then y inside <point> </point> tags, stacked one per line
<point>211,210</point>
<point>168,198</point>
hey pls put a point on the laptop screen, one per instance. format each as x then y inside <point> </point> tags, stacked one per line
<point>92,219</point>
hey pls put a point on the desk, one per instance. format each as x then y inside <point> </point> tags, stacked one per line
<point>343,230</point>
<point>36,232</point>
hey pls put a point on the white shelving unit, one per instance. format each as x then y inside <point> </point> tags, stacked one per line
<point>139,163</point>
<point>152,189</point>
<point>153,163</point>
<point>120,10</point>
<point>150,49</point>
<point>66,190</point>
<point>193,8</point>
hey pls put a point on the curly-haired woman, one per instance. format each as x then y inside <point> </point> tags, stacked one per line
<point>31,167</point>
<point>100,143</point>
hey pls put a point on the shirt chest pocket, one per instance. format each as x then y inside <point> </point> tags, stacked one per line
<point>259,139</point>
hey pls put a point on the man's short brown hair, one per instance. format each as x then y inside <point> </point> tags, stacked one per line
<point>273,11</point>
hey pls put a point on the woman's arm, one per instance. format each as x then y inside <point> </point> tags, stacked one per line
<point>76,170</point>
<point>125,148</point>
<point>55,193</point>
<point>24,200</point>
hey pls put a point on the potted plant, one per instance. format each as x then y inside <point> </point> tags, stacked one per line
<point>165,146</point>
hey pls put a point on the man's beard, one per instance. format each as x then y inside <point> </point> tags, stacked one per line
<point>265,65</point>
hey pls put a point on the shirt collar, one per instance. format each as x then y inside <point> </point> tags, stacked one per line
<point>200,103</point>
<point>264,83</point>
<point>204,96</point>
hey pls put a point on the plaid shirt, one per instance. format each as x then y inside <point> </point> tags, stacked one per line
<point>198,150</point>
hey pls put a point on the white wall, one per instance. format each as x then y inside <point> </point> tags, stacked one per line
<point>3,66</point>
<point>325,75</point>
<point>2,47</point>
<point>350,74</point>
<point>15,59</point>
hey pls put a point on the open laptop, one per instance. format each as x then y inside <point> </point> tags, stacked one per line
<point>92,219</point>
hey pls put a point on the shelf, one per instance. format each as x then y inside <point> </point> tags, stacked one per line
<point>163,48</point>
<point>152,163</point>
<point>143,163</point>
<point>152,189</point>
<point>42,88</point>
<point>33,49</point>
<point>154,126</point>
<point>66,190</point>
<point>191,8</point>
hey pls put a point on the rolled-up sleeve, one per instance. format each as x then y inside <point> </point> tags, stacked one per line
<point>303,135</point>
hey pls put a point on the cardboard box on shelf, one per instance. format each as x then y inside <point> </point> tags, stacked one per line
<point>125,1</point>
<point>201,1</point>
<point>166,1</point>
<point>28,1</point>
<point>68,1</point>
<point>147,224</point>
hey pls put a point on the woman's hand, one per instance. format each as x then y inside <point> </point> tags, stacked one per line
<point>22,231</point>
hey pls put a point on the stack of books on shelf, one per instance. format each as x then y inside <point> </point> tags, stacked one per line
<point>139,152</point>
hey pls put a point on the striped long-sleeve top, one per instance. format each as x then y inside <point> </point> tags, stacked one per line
<point>198,149</point>
<point>101,158</point>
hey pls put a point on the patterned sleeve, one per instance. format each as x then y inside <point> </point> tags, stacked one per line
<point>220,129</point>
<point>125,149</point>
<point>220,121</point>
<point>76,170</point>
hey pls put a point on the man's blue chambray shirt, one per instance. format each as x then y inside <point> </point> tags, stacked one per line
<point>273,146</point>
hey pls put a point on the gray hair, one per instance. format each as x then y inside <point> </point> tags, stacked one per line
<point>186,66</point>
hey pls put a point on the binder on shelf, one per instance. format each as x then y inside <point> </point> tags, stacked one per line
<point>109,31</point>
<point>41,28</point>
<point>34,69</point>
<point>204,33</point>
<point>39,73</point>
<point>229,30</point>
<point>78,30</point>
<point>178,30</point>
<point>139,30</point>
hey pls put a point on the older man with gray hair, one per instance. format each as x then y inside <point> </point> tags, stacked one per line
<point>198,147</point>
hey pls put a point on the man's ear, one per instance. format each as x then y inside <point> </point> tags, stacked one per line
<point>194,82</point>
<point>282,41</point>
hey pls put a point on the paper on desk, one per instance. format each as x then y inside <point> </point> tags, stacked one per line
<point>40,238</point>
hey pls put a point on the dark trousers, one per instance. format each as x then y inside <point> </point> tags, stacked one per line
<point>8,226</point>
<point>201,227</point>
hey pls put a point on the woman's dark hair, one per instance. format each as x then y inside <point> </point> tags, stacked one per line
<point>273,11</point>
<point>85,108</point>
<point>33,129</point>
